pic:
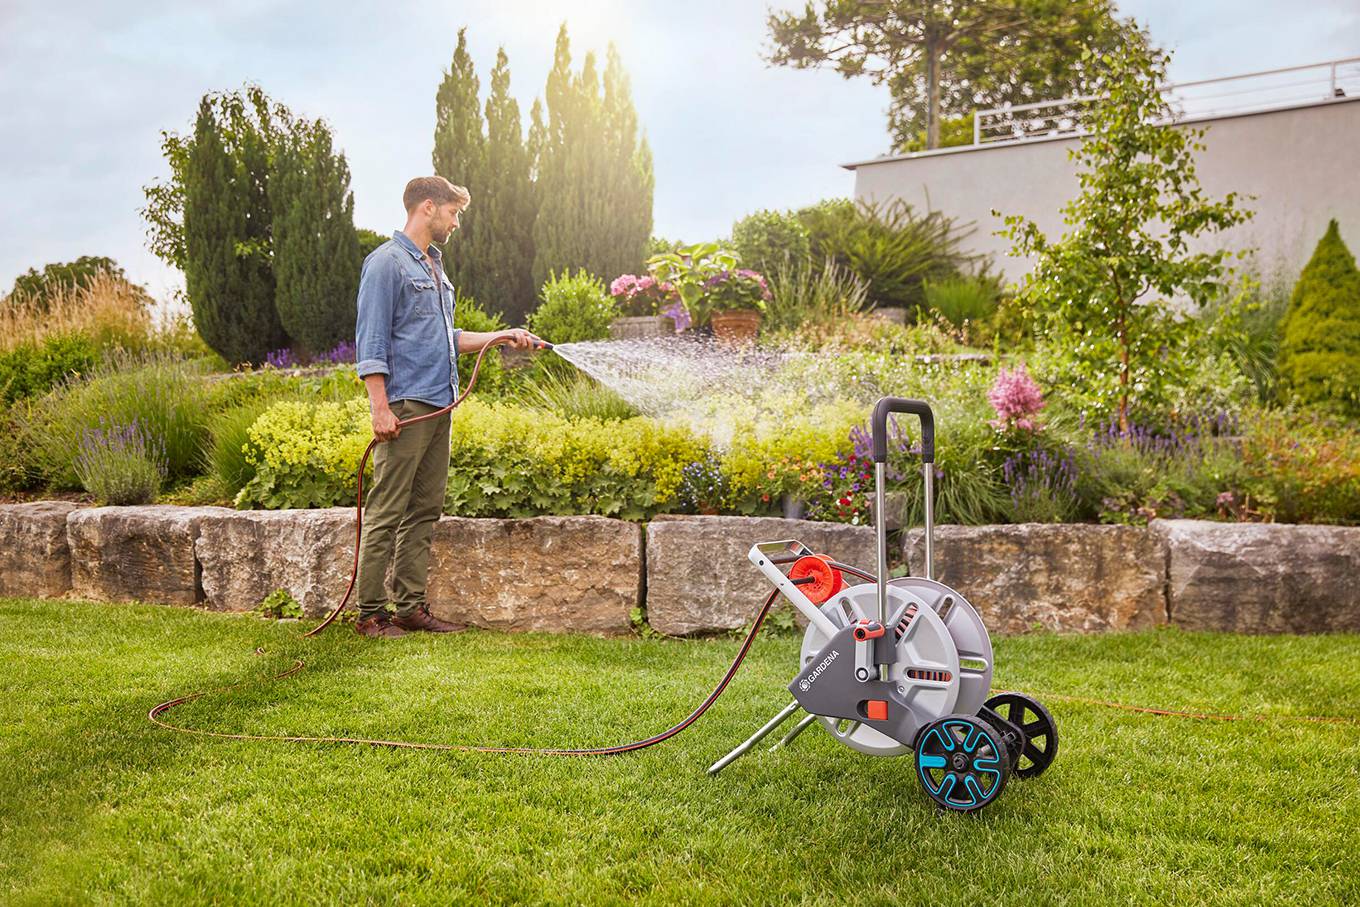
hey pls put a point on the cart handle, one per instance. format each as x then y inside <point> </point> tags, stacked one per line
<point>879,426</point>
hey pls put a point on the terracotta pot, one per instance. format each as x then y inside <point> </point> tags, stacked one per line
<point>641,327</point>
<point>737,326</point>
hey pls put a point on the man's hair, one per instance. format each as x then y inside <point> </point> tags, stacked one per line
<point>435,188</point>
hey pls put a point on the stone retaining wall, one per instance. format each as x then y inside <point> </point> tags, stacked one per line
<point>588,574</point>
<point>1064,577</point>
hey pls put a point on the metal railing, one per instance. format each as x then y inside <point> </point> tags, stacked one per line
<point>1247,93</point>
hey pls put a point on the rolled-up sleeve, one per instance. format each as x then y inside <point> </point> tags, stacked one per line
<point>378,287</point>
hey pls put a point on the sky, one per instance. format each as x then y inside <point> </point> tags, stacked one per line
<point>87,88</point>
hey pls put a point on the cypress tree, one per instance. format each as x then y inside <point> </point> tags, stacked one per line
<point>552,227</point>
<point>1319,357</point>
<point>594,180</point>
<point>506,210</point>
<point>227,272</point>
<point>630,174</point>
<point>316,248</point>
<point>459,156</point>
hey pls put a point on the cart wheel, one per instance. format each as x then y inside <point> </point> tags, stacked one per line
<point>1038,726</point>
<point>962,762</point>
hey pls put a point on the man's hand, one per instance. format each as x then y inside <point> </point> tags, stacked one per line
<point>521,339</point>
<point>385,426</point>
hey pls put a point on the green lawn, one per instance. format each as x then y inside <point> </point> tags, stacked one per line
<point>96,804</point>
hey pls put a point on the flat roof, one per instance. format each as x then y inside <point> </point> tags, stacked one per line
<point>1034,140</point>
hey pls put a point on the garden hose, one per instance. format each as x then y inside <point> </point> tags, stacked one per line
<point>363,463</point>
<point>156,713</point>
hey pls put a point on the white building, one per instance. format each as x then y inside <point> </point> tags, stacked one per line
<point>1291,138</point>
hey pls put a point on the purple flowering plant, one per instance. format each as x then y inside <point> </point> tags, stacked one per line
<point>703,485</point>
<point>121,464</point>
<point>342,352</point>
<point>1042,485</point>
<point>846,487</point>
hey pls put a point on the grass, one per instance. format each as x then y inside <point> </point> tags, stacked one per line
<point>97,805</point>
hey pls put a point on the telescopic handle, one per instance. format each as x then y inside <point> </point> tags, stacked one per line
<point>879,426</point>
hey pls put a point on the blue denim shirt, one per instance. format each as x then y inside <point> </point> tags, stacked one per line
<point>405,327</point>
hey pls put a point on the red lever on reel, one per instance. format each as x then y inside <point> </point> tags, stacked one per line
<point>825,582</point>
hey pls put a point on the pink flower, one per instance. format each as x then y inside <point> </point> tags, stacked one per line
<point>624,285</point>
<point>1016,398</point>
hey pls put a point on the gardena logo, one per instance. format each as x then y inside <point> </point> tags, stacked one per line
<point>809,680</point>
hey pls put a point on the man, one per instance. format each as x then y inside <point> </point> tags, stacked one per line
<point>407,351</point>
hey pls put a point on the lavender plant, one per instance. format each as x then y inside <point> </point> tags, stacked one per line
<point>1139,474</point>
<point>121,464</point>
<point>1043,486</point>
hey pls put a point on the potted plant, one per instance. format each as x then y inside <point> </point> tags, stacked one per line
<point>639,299</point>
<point>737,299</point>
<point>687,270</point>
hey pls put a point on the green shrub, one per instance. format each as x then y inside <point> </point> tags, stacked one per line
<point>279,605</point>
<point>961,299</point>
<point>769,239</point>
<point>369,240</point>
<point>224,455</point>
<point>807,294</point>
<point>469,316</point>
<point>574,308</point>
<point>16,473</point>
<point>969,485</point>
<point>1320,352</point>
<point>162,395</point>
<point>781,453</point>
<point>1297,469</point>
<point>890,247</point>
<point>573,395</point>
<point>1245,325</point>
<point>508,461</point>
<point>31,369</point>
<point>305,455</point>
<point>120,464</point>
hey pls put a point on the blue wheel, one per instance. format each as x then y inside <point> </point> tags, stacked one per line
<point>962,762</point>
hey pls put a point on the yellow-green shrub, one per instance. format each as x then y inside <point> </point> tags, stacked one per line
<point>306,454</point>
<point>769,457</point>
<point>508,461</point>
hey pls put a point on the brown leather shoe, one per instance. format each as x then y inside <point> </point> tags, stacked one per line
<point>422,619</point>
<point>379,625</point>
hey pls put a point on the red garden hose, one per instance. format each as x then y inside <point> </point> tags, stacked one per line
<point>155,714</point>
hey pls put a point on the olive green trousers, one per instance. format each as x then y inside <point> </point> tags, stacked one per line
<point>410,475</point>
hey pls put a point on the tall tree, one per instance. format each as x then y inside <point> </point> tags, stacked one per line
<point>316,249</point>
<point>226,224</point>
<point>506,210</point>
<point>1101,288</point>
<point>629,173</point>
<point>594,181</point>
<point>460,157</point>
<point>945,58</point>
